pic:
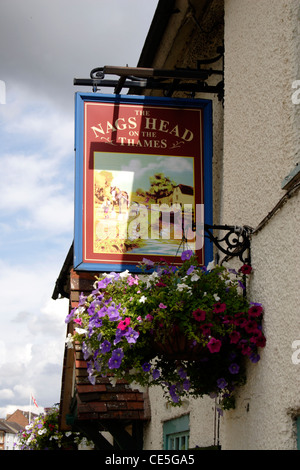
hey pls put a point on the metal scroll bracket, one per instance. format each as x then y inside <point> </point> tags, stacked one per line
<point>232,241</point>
<point>139,79</point>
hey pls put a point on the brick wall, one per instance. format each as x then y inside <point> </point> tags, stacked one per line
<point>102,401</point>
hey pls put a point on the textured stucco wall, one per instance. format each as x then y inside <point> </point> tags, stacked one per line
<point>256,144</point>
<point>260,134</point>
<point>201,416</point>
<point>183,44</point>
<point>268,403</point>
<point>261,137</point>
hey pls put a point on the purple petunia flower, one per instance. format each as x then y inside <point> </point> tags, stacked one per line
<point>116,358</point>
<point>155,374</point>
<point>70,315</point>
<point>221,383</point>
<point>113,314</point>
<point>104,282</point>
<point>174,396</point>
<point>190,270</point>
<point>254,358</point>
<point>186,384</point>
<point>85,351</point>
<point>118,353</point>
<point>186,255</point>
<point>105,346</point>
<point>114,362</point>
<point>181,372</point>
<point>147,262</point>
<point>146,367</point>
<point>131,335</point>
<point>234,368</point>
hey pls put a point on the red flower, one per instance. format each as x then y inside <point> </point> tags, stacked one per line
<point>205,329</point>
<point>261,341</point>
<point>246,269</point>
<point>234,337</point>
<point>214,345</point>
<point>258,338</point>
<point>255,311</point>
<point>250,326</point>
<point>245,349</point>
<point>240,322</point>
<point>228,320</point>
<point>199,314</point>
<point>219,307</point>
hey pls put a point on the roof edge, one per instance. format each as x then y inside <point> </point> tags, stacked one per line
<point>163,12</point>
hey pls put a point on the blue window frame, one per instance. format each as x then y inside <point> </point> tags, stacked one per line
<point>176,433</point>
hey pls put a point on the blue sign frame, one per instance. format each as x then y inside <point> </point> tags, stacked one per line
<point>82,141</point>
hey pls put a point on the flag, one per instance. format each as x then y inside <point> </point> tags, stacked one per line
<point>34,401</point>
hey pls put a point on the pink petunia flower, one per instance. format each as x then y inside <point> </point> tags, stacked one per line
<point>123,324</point>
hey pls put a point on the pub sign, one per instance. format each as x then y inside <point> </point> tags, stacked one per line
<point>143,180</point>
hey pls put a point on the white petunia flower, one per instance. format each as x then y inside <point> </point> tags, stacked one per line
<point>217,298</point>
<point>195,277</point>
<point>137,386</point>
<point>143,299</point>
<point>69,341</point>
<point>112,381</point>
<point>181,287</point>
<point>125,274</point>
<point>210,265</point>
<point>81,331</point>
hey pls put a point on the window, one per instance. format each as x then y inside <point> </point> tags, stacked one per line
<point>176,433</point>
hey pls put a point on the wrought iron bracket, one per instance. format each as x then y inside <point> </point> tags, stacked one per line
<point>233,241</point>
<point>137,79</point>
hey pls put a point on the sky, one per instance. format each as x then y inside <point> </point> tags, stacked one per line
<point>178,169</point>
<point>44,45</point>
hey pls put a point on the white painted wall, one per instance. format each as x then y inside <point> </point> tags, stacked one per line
<point>258,149</point>
<point>261,143</point>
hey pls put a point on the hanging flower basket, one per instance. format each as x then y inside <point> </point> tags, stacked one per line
<point>173,345</point>
<point>189,329</point>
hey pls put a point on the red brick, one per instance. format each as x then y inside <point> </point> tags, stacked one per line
<point>92,407</point>
<point>135,405</point>
<point>91,388</point>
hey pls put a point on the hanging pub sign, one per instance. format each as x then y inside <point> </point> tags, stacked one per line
<point>143,180</point>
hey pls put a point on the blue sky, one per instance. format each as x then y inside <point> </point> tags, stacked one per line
<point>44,45</point>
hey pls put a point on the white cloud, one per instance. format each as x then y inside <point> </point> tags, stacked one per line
<point>6,393</point>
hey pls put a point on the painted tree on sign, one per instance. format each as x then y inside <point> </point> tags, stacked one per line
<point>160,186</point>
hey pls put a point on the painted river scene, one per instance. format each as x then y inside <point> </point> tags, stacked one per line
<point>143,204</point>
